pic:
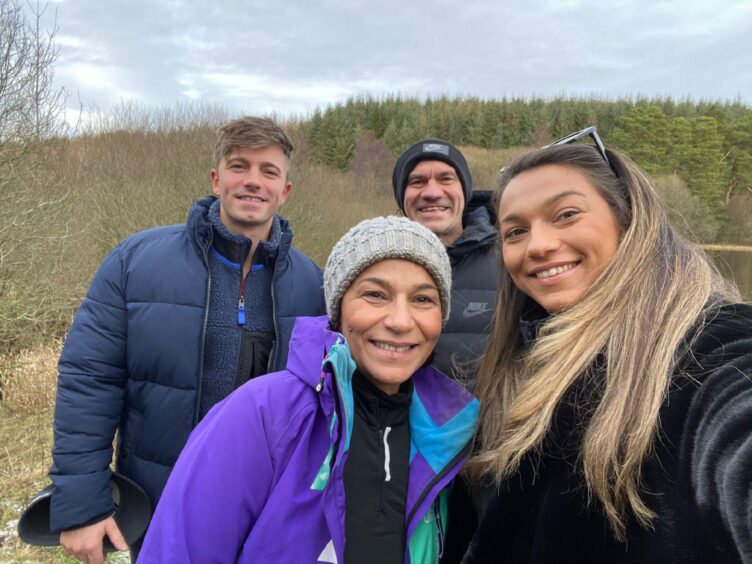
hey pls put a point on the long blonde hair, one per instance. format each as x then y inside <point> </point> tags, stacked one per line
<point>635,323</point>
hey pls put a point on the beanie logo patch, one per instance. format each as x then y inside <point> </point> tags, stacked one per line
<point>436,148</point>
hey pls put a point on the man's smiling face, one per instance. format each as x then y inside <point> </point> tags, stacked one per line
<point>434,197</point>
<point>251,185</point>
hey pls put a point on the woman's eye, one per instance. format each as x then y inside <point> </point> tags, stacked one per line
<point>425,300</point>
<point>373,294</point>
<point>568,214</point>
<point>513,233</point>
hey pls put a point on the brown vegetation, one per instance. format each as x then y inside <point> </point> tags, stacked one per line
<point>70,200</point>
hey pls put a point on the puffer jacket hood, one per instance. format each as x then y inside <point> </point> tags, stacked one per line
<point>479,220</point>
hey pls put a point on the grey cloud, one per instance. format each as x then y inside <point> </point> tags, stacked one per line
<point>292,56</point>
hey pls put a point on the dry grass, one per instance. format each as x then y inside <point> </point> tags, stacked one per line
<point>25,442</point>
<point>29,380</point>
<point>91,193</point>
<point>486,163</point>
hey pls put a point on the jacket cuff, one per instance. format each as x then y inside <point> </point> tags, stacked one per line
<point>78,501</point>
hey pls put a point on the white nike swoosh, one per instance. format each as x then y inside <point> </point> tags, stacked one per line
<point>474,313</point>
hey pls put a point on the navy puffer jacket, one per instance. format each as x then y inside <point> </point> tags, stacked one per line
<point>475,281</point>
<point>132,360</point>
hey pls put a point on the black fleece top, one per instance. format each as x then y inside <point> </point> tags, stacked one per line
<point>376,474</point>
<point>698,482</point>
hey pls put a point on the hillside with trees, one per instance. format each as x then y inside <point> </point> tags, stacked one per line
<point>698,152</point>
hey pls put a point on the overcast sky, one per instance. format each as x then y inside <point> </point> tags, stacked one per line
<point>290,56</point>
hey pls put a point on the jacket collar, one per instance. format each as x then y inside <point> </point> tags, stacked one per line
<point>443,415</point>
<point>479,229</point>
<point>531,320</point>
<point>202,233</point>
<point>235,247</point>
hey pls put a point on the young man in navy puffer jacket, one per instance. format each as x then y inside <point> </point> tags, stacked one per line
<point>175,319</point>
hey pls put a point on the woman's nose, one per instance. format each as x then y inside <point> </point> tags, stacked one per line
<point>542,240</point>
<point>399,318</point>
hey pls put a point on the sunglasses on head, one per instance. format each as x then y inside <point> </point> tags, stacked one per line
<point>574,137</point>
<point>582,134</point>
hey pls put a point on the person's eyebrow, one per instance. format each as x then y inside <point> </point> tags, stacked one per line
<point>384,284</point>
<point>375,280</point>
<point>549,202</point>
<point>560,196</point>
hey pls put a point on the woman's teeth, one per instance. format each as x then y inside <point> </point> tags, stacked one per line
<point>392,348</point>
<point>555,270</point>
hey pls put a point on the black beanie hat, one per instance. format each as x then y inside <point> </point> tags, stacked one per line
<point>429,150</point>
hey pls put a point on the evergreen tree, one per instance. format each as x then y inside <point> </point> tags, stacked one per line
<point>705,168</point>
<point>740,158</point>
<point>644,134</point>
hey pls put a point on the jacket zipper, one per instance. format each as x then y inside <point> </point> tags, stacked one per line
<point>439,528</point>
<point>272,365</point>
<point>436,479</point>
<point>382,456</point>
<point>241,299</point>
<point>205,255</point>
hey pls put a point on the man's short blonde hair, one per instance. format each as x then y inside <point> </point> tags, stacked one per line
<point>251,133</point>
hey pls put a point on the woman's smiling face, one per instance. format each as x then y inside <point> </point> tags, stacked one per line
<point>558,234</point>
<point>391,318</point>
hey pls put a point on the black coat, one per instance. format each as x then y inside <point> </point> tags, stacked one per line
<point>699,479</point>
<point>475,282</point>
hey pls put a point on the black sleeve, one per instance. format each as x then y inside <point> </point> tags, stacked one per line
<point>721,418</point>
<point>462,521</point>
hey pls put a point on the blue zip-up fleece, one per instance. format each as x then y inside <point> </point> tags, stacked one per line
<point>133,360</point>
<point>225,343</point>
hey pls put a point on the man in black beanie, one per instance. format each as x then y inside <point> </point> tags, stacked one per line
<point>433,186</point>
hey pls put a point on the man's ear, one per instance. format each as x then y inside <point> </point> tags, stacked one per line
<point>214,176</point>
<point>286,192</point>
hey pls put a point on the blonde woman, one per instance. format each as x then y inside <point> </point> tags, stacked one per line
<point>616,391</point>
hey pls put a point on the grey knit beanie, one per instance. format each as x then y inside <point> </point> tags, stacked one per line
<point>381,238</point>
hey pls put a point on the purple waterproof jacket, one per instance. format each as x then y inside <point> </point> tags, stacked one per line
<point>261,478</point>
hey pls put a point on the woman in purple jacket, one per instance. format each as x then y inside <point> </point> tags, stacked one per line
<point>345,456</point>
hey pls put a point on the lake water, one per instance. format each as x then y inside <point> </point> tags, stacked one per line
<point>736,265</point>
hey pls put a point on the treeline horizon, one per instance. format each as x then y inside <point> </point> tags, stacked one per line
<point>700,152</point>
<point>70,199</point>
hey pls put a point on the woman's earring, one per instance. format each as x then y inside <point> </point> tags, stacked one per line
<point>349,329</point>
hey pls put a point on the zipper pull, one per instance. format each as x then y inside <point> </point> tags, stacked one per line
<point>439,527</point>
<point>320,385</point>
<point>241,311</point>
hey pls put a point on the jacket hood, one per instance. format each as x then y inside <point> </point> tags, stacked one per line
<point>480,225</point>
<point>198,224</point>
<point>311,339</point>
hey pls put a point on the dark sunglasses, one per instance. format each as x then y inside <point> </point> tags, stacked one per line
<point>593,134</point>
